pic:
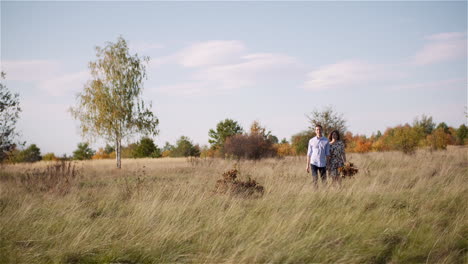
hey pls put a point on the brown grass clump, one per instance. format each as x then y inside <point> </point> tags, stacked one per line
<point>57,178</point>
<point>230,184</point>
<point>348,170</point>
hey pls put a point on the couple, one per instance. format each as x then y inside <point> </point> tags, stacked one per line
<point>323,154</point>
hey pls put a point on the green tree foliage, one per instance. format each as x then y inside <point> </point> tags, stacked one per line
<point>49,157</point>
<point>110,104</point>
<point>30,154</point>
<point>405,138</point>
<point>108,149</point>
<point>9,114</point>
<point>328,119</point>
<point>462,135</point>
<point>444,127</point>
<point>146,148</point>
<point>185,148</point>
<point>224,129</point>
<point>83,152</point>
<point>300,141</point>
<point>425,123</point>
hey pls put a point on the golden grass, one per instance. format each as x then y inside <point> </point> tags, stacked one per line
<point>398,208</point>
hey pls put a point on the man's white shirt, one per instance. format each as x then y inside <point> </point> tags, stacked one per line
<point>318,150</point>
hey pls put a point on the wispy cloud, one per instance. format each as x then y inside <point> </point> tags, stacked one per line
<point>30,70</point>
<point>209,53</point>
<point>441,47</point>
<point>224,65</point>
<point>64,84</point>
<point>348,74</point>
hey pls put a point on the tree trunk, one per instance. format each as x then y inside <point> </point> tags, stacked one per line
<point>117,152</point>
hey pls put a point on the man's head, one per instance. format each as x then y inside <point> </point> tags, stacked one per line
<point>318,130</point>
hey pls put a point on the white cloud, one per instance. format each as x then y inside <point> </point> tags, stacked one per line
<point>347,74</point>
<point>210,53</point>
<point>30,70</point>
<point>441,47</point>
<point>255,68</point>
<point>66,83</point>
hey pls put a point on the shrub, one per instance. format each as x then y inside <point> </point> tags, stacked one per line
<point>100,154</point>
<point>146,148</point>
<point>84,152</point>
<point>49,157</point>
<point>300,141</point>
<point>284,149</point>
<point>185,148</point>
<point>438,140</point>
<point>30,154</point>
<point>229,184</point>
<point>249,147</point>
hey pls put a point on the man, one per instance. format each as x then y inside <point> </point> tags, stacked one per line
<point>318,152</point>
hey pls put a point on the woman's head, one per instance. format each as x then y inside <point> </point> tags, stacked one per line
<point>334,134</point>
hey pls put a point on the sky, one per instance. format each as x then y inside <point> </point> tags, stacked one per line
<point>379,64</point>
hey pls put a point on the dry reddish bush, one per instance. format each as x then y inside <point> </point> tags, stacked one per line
<point>229,184</point>
<point>55,178</point>
<point>348,170</point>
<point>249,147</point>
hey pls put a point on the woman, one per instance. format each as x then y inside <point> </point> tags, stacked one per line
<point>337,156</point>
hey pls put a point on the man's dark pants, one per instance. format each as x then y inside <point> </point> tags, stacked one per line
<point>316,170</point>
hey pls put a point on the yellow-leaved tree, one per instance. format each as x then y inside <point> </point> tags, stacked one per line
<point>110,105</point>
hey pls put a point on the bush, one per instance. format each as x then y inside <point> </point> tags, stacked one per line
<point>31,154</point>
<point>229,184</point>
<point>438,140</point>
<point>185,148</point>
<point>49,157</point>
<point>249,147</point>
<point>300,141</point>
<point>100,154</point>
<point>84,152</point>
<point>146,148</point>
<point>284,149</point>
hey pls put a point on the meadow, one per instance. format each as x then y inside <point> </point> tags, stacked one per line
<point>398,209</point>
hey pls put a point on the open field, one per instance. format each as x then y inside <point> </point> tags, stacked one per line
<point>398,209</point>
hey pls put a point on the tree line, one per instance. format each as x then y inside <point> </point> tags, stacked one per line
<point>110,107</point>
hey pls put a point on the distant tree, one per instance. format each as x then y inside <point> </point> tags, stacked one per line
<point>249,146</point>
<point>167,150</point>
<point>108,149</point>
<point>284,141</point>
<point>146,148</point>
<point>462,134</point>
<point>49,157</point>
<point>444,127</point>
<point>185,148</point>
<point>9,114</point>
<point>425,123</point>
<point>83,152</point>
<point>224,129</point>
<point>110,105</point>
<point>300,141</point>
<point>328,119</point>
<point>30,154</point>
<point>406,138</point>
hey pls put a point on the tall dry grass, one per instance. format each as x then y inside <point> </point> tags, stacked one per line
<point>397,209</point>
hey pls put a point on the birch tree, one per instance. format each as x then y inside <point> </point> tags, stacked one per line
<point>111,105</point>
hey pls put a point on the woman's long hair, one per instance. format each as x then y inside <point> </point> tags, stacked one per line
<point>331,133</point>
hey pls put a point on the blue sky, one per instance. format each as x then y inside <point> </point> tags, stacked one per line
<point>380,64</point>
